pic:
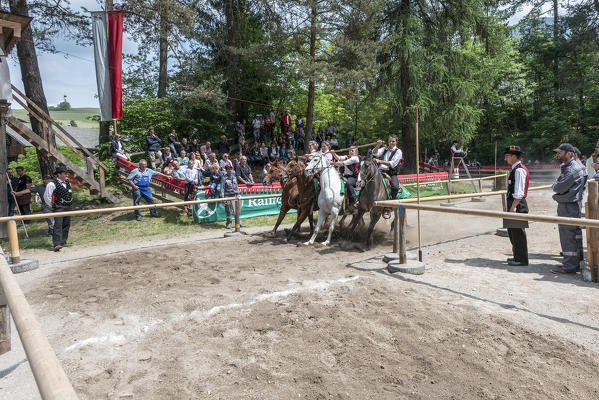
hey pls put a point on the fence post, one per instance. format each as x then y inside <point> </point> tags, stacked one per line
<point>403,259</point>
<point>4,324</point>
<point>480,185</point>
<point>592,211</point>
<point>102,181</point>
<point>13,239</point>
<point>396,230</point>
<point>237,213</point>
<point>448,184</point>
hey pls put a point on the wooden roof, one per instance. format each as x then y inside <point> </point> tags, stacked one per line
<point>11,26</point>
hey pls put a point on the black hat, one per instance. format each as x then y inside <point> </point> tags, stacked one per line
<point>513,150</point>
<point>565,147</point>
<point>60,170</point>
<point>48,177</point>
<point>228,166</point>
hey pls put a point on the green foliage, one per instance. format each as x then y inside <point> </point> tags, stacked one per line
<point>73,123</point>
<point>62,106</point>
<point>141,114</point>
<point>31,165</point>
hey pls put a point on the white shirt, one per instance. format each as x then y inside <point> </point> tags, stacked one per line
<point>50,187</point>
<point>456,150</point>
<point>256,123</point>
<point>385,153</point>
<point>347,161</point>
<point>190,175</point>
<point>519,181</point>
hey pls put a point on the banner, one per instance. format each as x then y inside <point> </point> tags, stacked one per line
<point>102,64</point>
<point>115,50</point>
<point>212,212</point>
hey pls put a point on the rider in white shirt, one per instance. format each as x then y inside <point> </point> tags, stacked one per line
<point>351,164</point>
<point>389,160</point>
<point>455,152</point>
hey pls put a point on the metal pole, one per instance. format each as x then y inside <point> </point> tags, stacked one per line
<point>418,188</point>
<point>13,239</point>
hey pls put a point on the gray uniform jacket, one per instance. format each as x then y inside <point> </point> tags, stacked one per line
<point>569,187</point>
<point>228,186</point>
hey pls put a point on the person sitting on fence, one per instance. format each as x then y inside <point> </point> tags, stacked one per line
<point>154,152</point>
<point>191,180</point>
<point>139,179</point>
<point>183,159</point>
<point>244,172</point>
<point>389,160</point>
<point>455,152</point>
<point>215,177</point>
<point>117,150</point>
<point>229,188</point>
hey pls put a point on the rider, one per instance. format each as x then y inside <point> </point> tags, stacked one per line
<point>325,147</point>
<point>351,163</point>
<point>389,159</point>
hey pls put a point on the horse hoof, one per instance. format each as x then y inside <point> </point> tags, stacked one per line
<point>269,234</point>
<point>306,243</point>
<point>285,240</point>
<point>325,244</point>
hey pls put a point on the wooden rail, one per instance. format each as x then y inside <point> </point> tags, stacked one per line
<point>465,195</point>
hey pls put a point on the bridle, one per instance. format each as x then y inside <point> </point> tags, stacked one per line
<point>373,176</point>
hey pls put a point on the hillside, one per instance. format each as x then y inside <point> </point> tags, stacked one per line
<point>79,115</point>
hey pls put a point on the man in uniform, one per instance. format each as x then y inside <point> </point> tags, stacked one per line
<point>389,160</point>
<point>139,179</point>
<point>351,164</point>
<point>59,194</point>
<point>569,190</point>
<point>517,190</point>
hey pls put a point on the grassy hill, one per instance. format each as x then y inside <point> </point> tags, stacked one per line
<point>78,115</point>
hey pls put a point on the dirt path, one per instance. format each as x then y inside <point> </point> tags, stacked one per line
<point>254,318</point>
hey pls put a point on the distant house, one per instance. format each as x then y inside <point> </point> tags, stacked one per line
<point>16,144</point>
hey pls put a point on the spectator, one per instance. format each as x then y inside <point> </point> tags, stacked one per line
<point>168,166</point>
<point>183,159</point>
<point>215,175</point>
<point>244,172</point>
<point>11,185</point>
<point>235,161</point>
<point>334,143</point>
<point>291,138</point>
<point>299,123</point>
<point>246,151</point>
<point>177,171</point>
<point>329,130</point>
<point>117,149</point>
<point>267,127</point>
<point>228,188</point>
<point>139,179</point>
<point>166,154</point>
<point>293,120</point>
<point>223,146</point>
<point>312,147</point>
<point>60,195</point>
<point>24,201</point>
<point>39,190</point>
<point>350,141</point>
<point>434,160</point>
<point>265,171</point>
<point>225,161</point>
<point>184,146</point>
<point>285,123</point>
<point>173,142</point>
<point>191,180</point>
<point>593,164</point>
<point>194,147</point>
<point>197,162</point>
<point>211,161</point>
<point>154,152</point>
<point>320,135</point>
<point>254,155</point>
<point>273,152</point>
<point>291,153</point>
<point>264,152</point>
<point>256,128</point>
<point>283,153</point>
<point>205,150</point>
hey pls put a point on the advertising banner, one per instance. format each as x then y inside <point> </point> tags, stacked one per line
<point>212,212</point>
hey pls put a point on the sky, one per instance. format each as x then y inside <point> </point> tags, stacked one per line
<point>71,72</point>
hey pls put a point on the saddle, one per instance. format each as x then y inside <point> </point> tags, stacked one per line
<point>387,184</point>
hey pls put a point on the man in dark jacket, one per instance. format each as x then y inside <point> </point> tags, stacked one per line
<point>517,190</point>
<point>60,196</point>
<point>154,144</point>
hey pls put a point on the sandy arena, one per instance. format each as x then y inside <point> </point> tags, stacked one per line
<point>204,317</point>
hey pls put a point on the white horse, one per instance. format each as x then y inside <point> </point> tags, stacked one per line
<point>330,198</point>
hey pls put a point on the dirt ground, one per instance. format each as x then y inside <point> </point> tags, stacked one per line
<point>255,318</point>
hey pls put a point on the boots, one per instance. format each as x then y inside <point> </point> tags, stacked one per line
<point>228,225</point>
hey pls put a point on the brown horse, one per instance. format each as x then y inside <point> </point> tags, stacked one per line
<point>295,194</point>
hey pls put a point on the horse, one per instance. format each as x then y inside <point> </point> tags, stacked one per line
<point>297,193</point>
<point>330,198</point>
<point>370,181</point>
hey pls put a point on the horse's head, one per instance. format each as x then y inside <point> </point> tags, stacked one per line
<point>368,169</point>
<point>294,168</point>
<point>276,173</point>
<point>317,164</point>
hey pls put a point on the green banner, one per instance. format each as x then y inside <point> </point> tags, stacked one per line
<point>212,212</point>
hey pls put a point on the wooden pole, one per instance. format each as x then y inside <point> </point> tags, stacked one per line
<point>495,165</point>
<point>396,230</point>
<point>13,240</point>
<point>403,259</point>
<point>418,188</point>
<point>593,223</point>
<point>4,324</point>
<point>355,147</point>
<point>237,203</point>
<point>4,108</point>
<point>51,380</point>
<point>593,234</point>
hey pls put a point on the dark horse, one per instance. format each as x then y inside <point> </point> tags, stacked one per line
<point>372,189</point>
<point>298,193</point>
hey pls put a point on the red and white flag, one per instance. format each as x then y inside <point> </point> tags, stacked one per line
<point>108,56</point>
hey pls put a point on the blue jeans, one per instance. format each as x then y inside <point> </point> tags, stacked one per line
<point>137,196</point>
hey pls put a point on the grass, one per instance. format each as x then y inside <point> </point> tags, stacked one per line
<point>78,115</point>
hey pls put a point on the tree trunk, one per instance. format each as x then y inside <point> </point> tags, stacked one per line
<point>231,60</point>
<point>32,83</point>
<point>408,133</point>
<point>556,48</point>
<point>311,82</point>
<point>163,53</point>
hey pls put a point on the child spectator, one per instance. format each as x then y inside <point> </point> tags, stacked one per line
<point>167,155</point>
<point>191,180</point>
<point>215,176</point>
<point>168,167</point>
